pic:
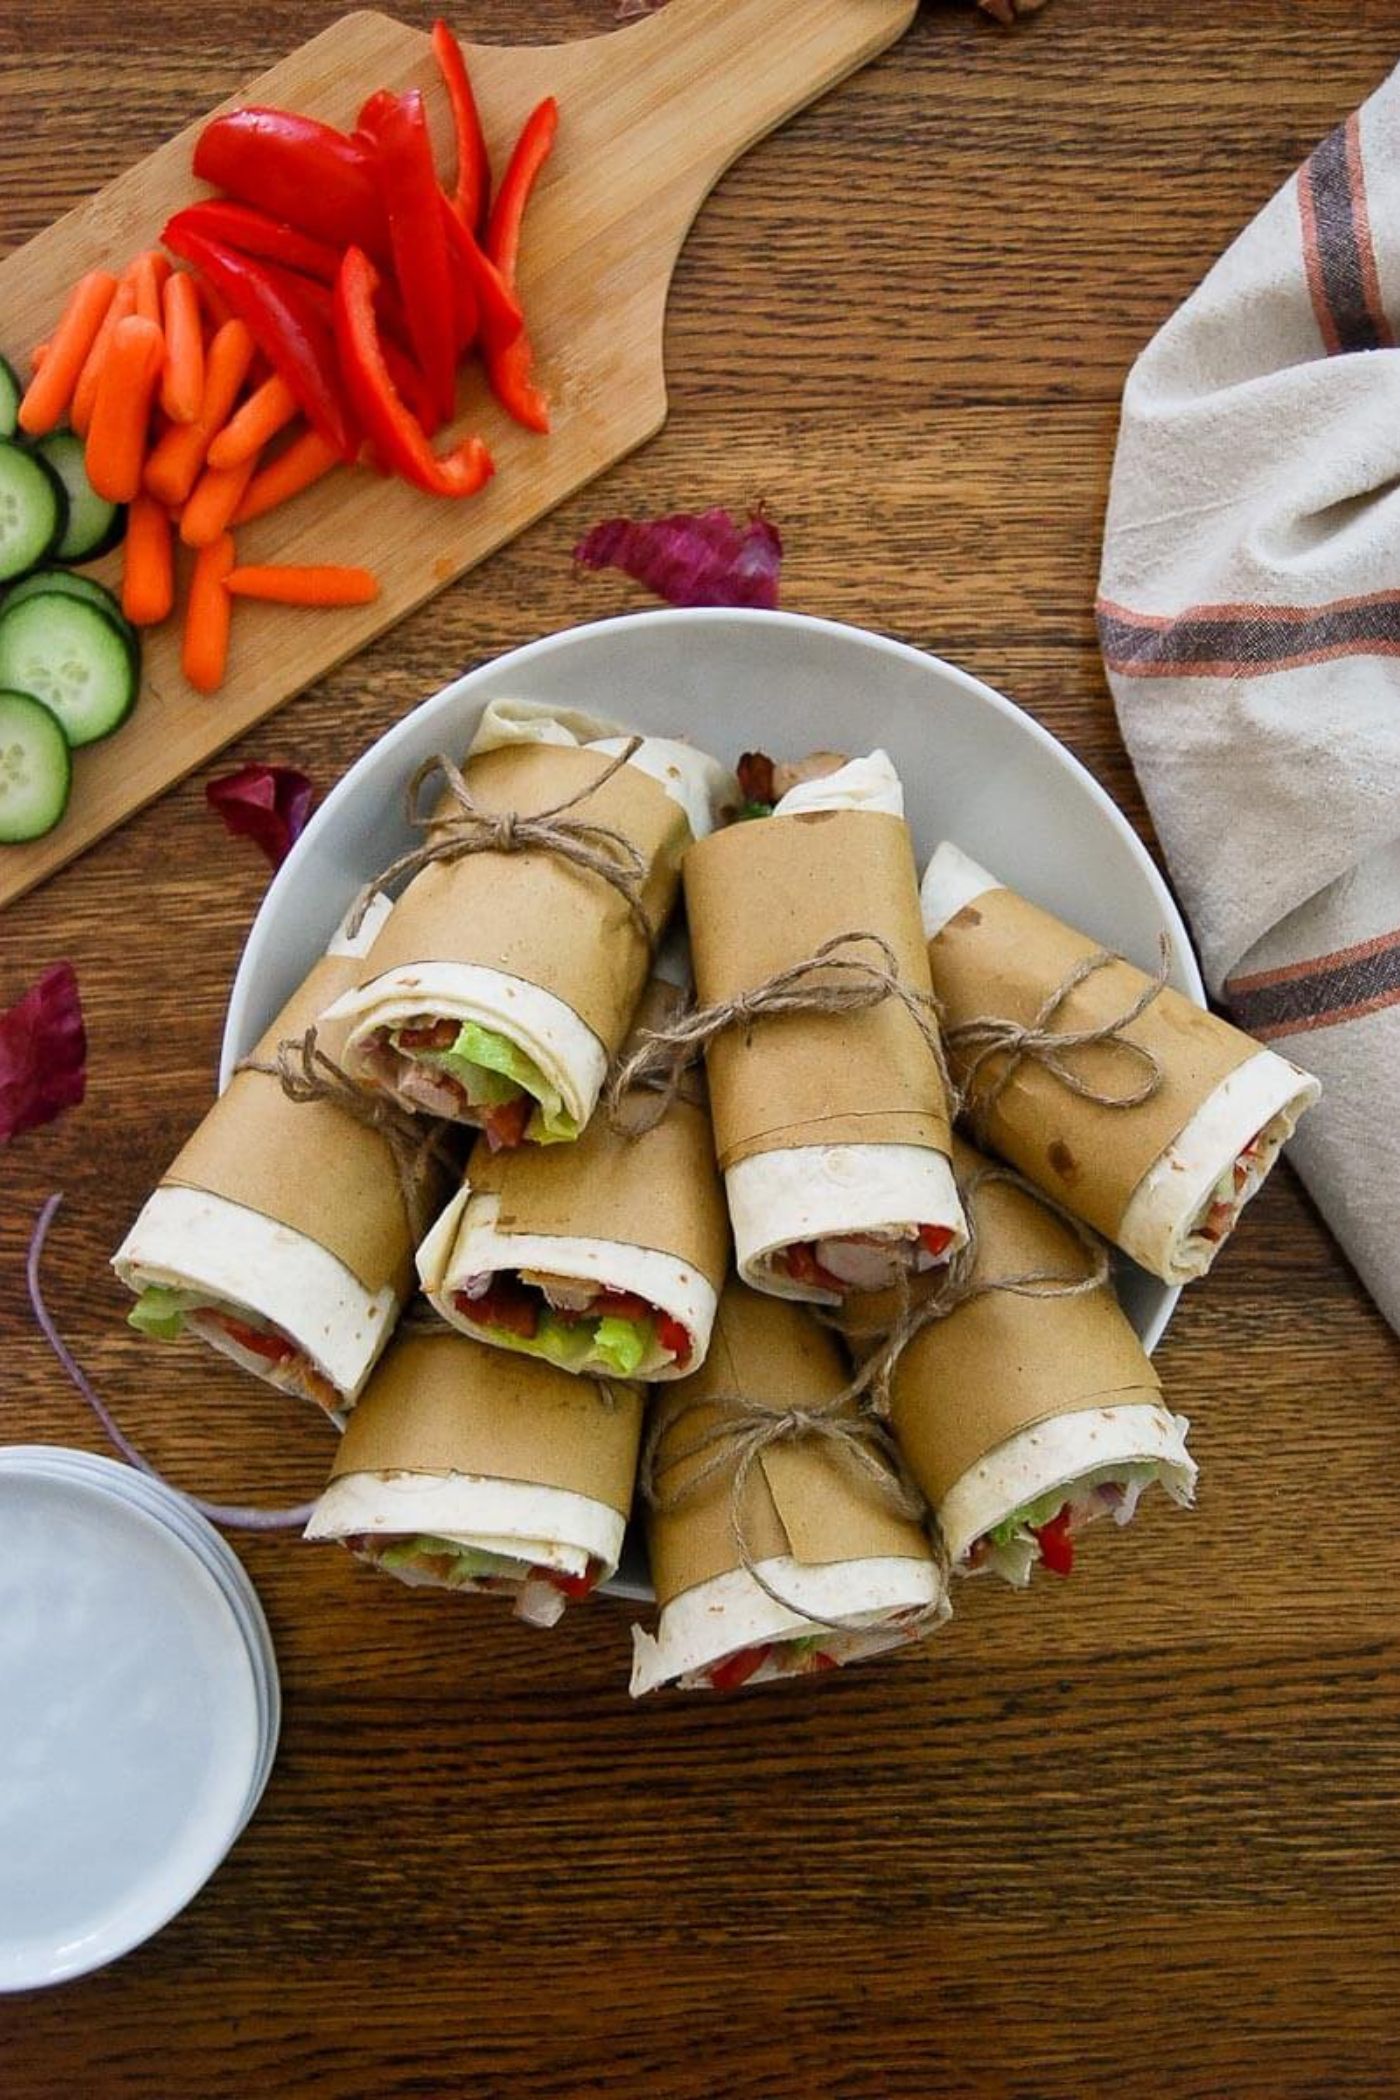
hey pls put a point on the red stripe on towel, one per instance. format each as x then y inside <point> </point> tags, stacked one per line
<point>1322,992</point>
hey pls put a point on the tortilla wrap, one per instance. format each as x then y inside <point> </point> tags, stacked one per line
<point>868,1072</point>
<point>256,1266</point>
<point>814,1529</point>
<point>1153,1208</point>
<point>576,961</point>
<point>1010,1397</point>
<point>456,1442</point>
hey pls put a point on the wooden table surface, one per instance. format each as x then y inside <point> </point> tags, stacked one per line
<point>1136,1833</point>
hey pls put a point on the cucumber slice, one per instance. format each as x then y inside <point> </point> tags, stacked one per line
<point>36,771</point>
<point>42,582</point>
<point>11,395</point>
<point>94,525</point>
<point>72,657</point>
<point>33,510</point>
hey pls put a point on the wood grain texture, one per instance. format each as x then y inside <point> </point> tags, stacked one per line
<point>653,117</point>
<point>1134,1835</point>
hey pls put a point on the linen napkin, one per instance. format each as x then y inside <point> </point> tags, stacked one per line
<point>1249,619</point>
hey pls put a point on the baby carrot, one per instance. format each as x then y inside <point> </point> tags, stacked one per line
<point>148,567</point>
<point>320,583</point>
<point>182,381</point>
<point>85,392</point>
<point>262,415</point>
<point>216,496</point>
<point>55,381</point>
<point>205,650</point>
<point>305,460</point>
<point>121,414</point>
<point>174,466</point>
<point>148,273</point>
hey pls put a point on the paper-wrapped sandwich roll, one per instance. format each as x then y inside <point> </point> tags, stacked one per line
<point>281,1234</point>
<point>605,1257</point>
<point>1022,1418</point>
<point>854,1577</point>
<point>466,1469</point>
<point>505,981</point>
<point>1165,1180</point>
<point>831,1128</point>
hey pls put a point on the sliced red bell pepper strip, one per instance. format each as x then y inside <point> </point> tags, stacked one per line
<point>481,284</point>
<point>471,196</point>
<point>295,169</point>
<point>389,423</point>
<point>532,150</point>
<point>252,232</point>
<point>509,365</point>
<point>1056,1542</point>
<point>408,180</point>
<point>280,313</point>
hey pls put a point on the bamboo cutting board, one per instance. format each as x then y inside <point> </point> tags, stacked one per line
<point>650,117</point>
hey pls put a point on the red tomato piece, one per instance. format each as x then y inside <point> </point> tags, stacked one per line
<point>1056,1544</point>
<point>672,1335</point>
<point>738,1669</point>
<point>935,1239</point>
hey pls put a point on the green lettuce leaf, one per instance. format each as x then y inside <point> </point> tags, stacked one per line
<point>571,1343</point>
<point>493,1071</point>
<point>160,1311</point>
<point>468,1561</point>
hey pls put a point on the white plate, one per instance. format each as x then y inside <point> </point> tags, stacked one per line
<point>975,769</point>
<point>213,1550</point>
<point>132,1733</point>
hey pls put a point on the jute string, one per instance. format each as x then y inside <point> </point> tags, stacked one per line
<point>830,981</point>
<point>960,1284</point>
<point>733,1445</point>
<point>464,829</point>
<point>307,1073</point>
<point>987,1036</point>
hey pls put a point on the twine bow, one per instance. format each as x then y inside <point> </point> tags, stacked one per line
<point>307,1073</point>
<point>960,1284</point>
<point>466,828</point>
<point>734,1443</point>
<point>989,1036</point>
<point>844,983</point>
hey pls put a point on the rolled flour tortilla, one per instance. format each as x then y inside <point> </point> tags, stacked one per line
<point>606,1256</point>
<point>815,1533</point>
<point>279,1234</point>
<point>1166,1182</point>
<point>1025,1418</point>
<point>814,1219</point>
<point>466,1469</point>
<point>504,982</point>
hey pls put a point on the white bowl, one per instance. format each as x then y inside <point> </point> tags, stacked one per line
<point>975,769</point>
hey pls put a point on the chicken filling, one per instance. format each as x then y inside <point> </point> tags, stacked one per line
<point>468,1074</point>
<point>864,1261</point>
<point>166,1314</point>
<point>578,1325</point>
<point>425,1562</point>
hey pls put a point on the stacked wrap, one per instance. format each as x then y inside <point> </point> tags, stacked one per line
<point>515,974</point>
<point>831,1128</point>
<point>1165,1179</point>
<point>1023,1414</point>
<point>640,1217</point>
<point>464,1468</point>
<point>816,1532</point>
<point>281,1234</point>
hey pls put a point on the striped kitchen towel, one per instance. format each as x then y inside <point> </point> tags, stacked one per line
<point>1249,618</point>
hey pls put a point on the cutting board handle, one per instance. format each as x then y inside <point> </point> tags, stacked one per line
<point>742,67</point>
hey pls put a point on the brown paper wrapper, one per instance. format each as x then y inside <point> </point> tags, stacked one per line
<point>659,1190</point>
<point>1001,956</point>
<point>762,896</point>
<point>307,1164</point>
<point>999,1364</point>
<point>442,1403</point>
<point>534,915</point>
<point>799,1499</point>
